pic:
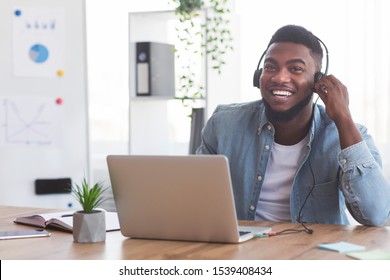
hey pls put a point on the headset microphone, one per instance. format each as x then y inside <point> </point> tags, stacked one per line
<point>317,76</point>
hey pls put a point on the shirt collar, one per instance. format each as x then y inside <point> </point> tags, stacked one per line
<point>316,121</point>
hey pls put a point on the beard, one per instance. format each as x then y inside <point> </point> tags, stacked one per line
<point>288,115</point>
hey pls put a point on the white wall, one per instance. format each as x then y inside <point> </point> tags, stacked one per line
<point>108,70</point>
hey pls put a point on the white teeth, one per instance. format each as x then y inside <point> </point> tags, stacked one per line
<point>282,93</point>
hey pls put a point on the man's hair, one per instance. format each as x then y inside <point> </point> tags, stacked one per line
<point>299,35</point>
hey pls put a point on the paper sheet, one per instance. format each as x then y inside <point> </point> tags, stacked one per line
<point>342,247</point>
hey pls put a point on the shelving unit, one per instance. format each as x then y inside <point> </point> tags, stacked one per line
<point>158,124</point>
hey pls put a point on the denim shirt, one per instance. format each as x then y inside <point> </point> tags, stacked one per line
<point>329,178</point>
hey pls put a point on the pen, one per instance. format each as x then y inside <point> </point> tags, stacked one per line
<point>67,215</point>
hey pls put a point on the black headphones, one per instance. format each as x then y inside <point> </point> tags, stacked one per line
<point>317,76</point>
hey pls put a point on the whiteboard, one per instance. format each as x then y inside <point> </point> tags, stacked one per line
<point>43,99</point>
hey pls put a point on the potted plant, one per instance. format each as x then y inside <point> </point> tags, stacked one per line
<point>89,224</point>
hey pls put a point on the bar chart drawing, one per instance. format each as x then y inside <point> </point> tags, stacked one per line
<point>29,122</point>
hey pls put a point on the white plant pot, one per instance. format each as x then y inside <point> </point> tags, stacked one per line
<point>89,227</point>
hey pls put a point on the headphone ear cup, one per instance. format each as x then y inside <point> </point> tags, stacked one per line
<point>317,76</point>
<point>256,77</point>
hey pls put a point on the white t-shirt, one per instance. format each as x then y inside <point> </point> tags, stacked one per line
<point>274,200</point>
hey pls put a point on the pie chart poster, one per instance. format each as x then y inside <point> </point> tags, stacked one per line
<point>38,42</point>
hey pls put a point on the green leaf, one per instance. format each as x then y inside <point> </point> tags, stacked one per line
<point>89,198</point>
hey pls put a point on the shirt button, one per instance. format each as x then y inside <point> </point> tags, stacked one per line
<point>252,207</point>
<point>259,178</point>
<point>347,187</point>
<point>269,127</point>
<point>343,161</point>
<point>266,147</point>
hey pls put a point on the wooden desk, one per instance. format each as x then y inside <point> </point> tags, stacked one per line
<point>60,245</point>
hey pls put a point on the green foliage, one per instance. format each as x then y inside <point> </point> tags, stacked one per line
<point>214,34</point>
<point>218,36</point>
<point>188,8</point>
<point>89,198</point>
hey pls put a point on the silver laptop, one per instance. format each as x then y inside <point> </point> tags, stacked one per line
<point>176,198</point>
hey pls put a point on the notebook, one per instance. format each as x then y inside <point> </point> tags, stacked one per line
<point>187,198</point>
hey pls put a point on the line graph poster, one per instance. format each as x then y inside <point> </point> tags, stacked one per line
<point>30,121</point>
<point>38,42</point>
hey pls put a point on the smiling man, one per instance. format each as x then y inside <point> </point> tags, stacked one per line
<point>290,159</point>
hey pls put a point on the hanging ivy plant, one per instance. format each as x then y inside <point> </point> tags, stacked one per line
<point>188,7</point>
<point>211,37</point>
<point>219,38</point>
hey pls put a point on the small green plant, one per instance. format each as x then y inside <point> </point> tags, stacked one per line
<point>89,198</point>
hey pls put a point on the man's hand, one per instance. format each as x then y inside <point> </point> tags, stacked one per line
<point>336,99</point>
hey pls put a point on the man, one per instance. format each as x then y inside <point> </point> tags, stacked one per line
<point>290,159</point>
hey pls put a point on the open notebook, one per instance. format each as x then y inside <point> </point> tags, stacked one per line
<point>176,198</point>
<point>63,220</point>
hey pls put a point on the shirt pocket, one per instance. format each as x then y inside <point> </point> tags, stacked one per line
<point>325,202</point>
<point>328,189</point>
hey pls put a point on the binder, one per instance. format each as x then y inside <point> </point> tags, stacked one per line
<point>155,69</point>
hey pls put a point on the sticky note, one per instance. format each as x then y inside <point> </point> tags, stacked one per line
<point>342,247</point>
<point>375,254</point>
